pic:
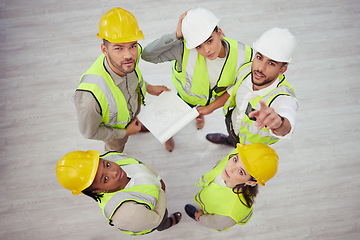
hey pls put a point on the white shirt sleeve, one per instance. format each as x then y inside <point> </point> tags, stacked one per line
<point>287,107</point>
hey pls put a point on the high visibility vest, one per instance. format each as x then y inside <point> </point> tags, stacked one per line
<point>216,199</point>
<point>146,194</point>
<point>192,82</point>
<point>112,102</point>
<point>248,131</point>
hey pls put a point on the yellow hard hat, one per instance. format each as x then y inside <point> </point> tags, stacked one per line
<point>119,26</point>
<point>76,170</point>
<point>260,160</point>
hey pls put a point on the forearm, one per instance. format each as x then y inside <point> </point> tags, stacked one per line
<point>220,102</point>
<point>167,48</point>
<point>284,128</point>
<point>216,221</point>
<point>136,217</point>
<point>286,107</point>
<point>89,119</point>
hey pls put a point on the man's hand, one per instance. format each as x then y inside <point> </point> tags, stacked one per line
<point>163,187</point>
<point>156,90</point>
<point>133,127</point>
<point>267,116</point>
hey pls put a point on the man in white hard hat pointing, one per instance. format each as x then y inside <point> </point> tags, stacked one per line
<point>261,106</point>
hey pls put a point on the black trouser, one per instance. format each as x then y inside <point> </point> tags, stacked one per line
<point>232,138</point>
<point>165,223</point>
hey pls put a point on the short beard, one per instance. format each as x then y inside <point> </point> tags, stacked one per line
<point>119,67</point>
<point>267,81</point>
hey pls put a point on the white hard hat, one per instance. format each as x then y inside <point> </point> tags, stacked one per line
<point>197,26</point>
<point>277,44</point>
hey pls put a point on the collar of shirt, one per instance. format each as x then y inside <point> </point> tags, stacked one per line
<point>116,78</point>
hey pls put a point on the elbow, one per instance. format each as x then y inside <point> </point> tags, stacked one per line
<point>145,56</point>
<point>87,134</point>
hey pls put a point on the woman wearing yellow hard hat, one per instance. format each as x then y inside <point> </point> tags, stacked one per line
<point>122,186</point>
<point>228,190</point>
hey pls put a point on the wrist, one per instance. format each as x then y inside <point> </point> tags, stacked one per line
<point>282,122</point>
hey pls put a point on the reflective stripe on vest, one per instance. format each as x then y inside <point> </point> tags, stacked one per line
<point>192,83</point>
<point>110,117</point>
<point>248,132</point>
<point>146,194</point>
<point>112,102</point>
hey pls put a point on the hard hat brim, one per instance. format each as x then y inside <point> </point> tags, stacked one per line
<point>95,164</point>
<point>245,161</point>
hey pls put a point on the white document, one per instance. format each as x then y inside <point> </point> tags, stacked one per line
<point>165,116</point>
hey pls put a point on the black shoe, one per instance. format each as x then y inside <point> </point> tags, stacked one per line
<point>218,138</point>
<point>177,216</point>
<point>190,210</point>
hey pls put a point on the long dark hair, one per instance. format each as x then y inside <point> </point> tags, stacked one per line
<point>248,192</point>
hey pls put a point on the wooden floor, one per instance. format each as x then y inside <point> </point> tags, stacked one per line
<point>45,47</point>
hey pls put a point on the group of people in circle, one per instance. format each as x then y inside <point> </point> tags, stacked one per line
<point>209,71</point>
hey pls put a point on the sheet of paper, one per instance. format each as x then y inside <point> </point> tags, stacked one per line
<point>166,115</point>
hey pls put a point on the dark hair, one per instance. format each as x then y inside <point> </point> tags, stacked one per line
<point>248,192</point>
<point>96,196</point>
<point>106,42</point>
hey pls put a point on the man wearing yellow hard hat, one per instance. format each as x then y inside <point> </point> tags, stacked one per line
<point>130,194</point>
<point>204,61</point>
<point>262,105</point>
<point>111,91</point>
<point>227,192</point>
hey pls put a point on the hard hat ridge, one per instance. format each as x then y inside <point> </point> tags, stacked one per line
<point>277,44</point>
<point>259,160</point>
<point>76,170</point>
<point>119,26</point>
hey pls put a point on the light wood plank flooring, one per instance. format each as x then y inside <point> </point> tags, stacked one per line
<point>47,45</point>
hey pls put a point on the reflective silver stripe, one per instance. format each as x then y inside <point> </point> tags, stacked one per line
<point>115,157</point>
<point>243,72</point>
<point>203,179</point>
<point>255,131</point>
<point>190,67</point>
<point>101,83</point>
<point>245,219</point>
<point>198,199</point>
<point>119,197</point>
<point>187,87</point>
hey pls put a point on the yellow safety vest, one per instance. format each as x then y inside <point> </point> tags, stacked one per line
<point>216,199</point>
<point>146,194</point>
<point>112,102</point>
<point>248,131</point>
<point>192,82</point>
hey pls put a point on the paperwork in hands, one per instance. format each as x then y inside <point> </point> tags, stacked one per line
<point>166,115</point>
